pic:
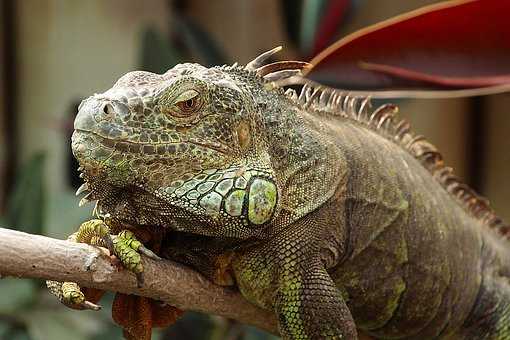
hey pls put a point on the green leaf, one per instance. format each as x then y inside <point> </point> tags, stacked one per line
<point>25,208</point>
<point>15,334</point>
<point>310,17</point>
<point>4,328</point>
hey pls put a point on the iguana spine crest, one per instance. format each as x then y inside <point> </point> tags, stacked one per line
<point>384,120</point>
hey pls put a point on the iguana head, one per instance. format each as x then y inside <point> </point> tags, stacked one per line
<point>190,149</point>
<point>186,144</point>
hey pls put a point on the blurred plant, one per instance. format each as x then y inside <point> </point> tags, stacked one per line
<point>28,311</point>
<point>312,25</point>
<point>26,205</point>
<point>452,45</point>
<point>188,42</point>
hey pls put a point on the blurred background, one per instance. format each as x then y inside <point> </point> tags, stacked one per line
<point>54,53</point>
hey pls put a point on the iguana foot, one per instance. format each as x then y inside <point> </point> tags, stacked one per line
<point>124,246</point>
<point>70,294</point>
<point>128,249</point>
<point>94,232</point>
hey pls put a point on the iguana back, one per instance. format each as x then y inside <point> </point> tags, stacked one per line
<point>417,253</point>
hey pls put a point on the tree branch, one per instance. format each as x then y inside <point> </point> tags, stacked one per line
<point>32,256</point>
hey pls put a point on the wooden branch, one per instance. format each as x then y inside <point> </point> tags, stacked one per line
<point>25,255</point>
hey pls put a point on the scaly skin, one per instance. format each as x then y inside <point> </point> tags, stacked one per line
<point>331,217</point>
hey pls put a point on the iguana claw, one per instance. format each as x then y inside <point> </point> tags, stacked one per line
<point>149,253</point>
<point>126,247</point>
<point>70,294</point>
<point>96,233</point>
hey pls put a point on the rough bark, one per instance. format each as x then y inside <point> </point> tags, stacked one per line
<point>25,255</point>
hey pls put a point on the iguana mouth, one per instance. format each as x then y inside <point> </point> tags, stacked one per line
<point>162,149</point>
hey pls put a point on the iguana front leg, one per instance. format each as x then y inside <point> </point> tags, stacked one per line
<point>288,276</point>
<point>124,245</point>
<point>309,305</point>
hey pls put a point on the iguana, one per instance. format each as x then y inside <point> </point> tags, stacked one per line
<point>331,214</point>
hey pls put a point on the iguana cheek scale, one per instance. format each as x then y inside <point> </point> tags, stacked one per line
<point>333,215</point>
<point>250,197</point>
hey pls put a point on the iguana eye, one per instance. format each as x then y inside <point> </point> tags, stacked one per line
<point>187,103</point>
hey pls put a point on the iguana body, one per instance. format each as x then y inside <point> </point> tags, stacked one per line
<point>335,217</point>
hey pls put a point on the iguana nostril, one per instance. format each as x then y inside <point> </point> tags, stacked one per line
<point>109,111</point>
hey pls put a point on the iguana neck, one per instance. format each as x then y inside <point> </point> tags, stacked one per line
<point>308,167</point>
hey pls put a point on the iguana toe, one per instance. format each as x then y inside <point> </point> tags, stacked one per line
<point>95,232</point>
<point>70,294</point>
<point>128,249</point>
<point>73,297</point>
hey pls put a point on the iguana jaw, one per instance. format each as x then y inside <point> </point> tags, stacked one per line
<point>237,201</point>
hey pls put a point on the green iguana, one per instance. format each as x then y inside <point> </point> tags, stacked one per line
<point>333,215</point>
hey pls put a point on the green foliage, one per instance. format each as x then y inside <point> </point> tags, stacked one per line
<point>60,323</point>
<point>63,215</point>
<point>198,326</point>
<point>21,294</point>
<point>26,205</point>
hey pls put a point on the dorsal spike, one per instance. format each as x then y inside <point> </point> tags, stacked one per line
<point>302,94</point>
<point>385,109</point>
<point>259,61</point>
<point>324,97</point>
<point>311,95</point>
<point>281,66</point>
<point>364,106</point>
<point>415,139</point>
<point>402,129</point>
<point>282,74</point>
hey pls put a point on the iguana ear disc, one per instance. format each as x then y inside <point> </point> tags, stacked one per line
<point>261,200</point>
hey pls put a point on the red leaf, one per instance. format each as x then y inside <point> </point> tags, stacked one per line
<point>454,44</point>
<point>438,79</point>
